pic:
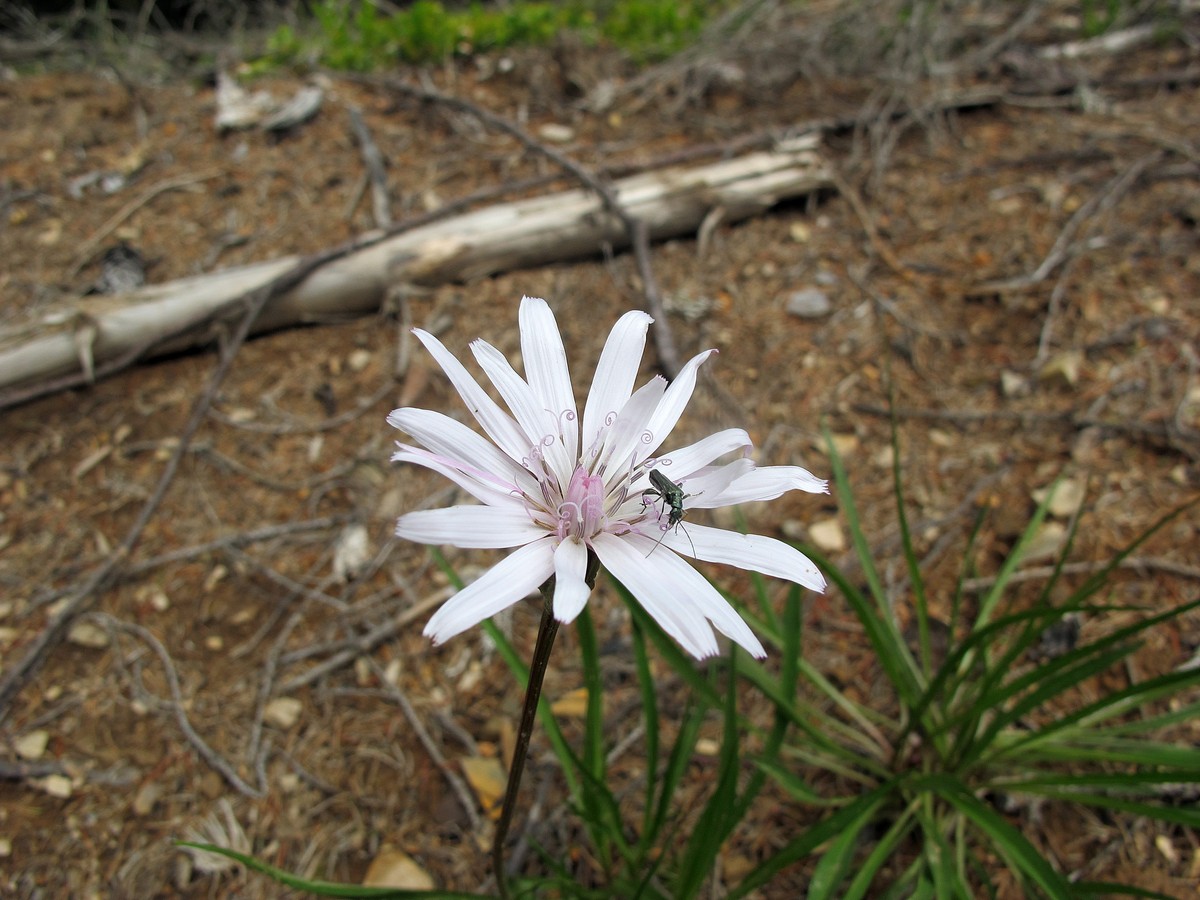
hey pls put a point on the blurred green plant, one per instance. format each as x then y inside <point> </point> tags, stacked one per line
<point>972,726</point>
<point>355,35</point>
<point>923,780</point>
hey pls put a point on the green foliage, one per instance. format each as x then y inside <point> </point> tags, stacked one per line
<point>904,795</point>
<point>354,35</point>
<point>983,722</point>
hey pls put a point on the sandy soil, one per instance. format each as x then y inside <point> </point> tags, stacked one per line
<point>1086,368</point>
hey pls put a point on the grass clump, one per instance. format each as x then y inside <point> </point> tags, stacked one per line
<point>354,35</point>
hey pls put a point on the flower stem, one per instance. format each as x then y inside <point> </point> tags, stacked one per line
<point>547,631</point>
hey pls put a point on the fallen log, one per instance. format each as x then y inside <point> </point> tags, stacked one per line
<point>569,224</point>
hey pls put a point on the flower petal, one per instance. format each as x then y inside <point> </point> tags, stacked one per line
<point>498,424</point>
<point>546,367</point>
<point>674,593</point>
<point>707,487</point>
<point>754,552</point>
<point>767,483</point>
<point>662,423</point>
<point>679,464</point>
<point>450,438</point>
<point>541,426</point>
<point>570,589</point>
<point>615,374</point>
<point>630,431</point>
<point>515,576</point>
<point>490,527</point>
<point>485,490</point>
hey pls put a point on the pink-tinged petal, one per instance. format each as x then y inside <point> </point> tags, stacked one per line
<point>450,438</point>
<point>546,367</point>
<point>517,575</point>
<point>483,489</point>
<point>541,426</point>
<point>674,594</point>
<point>767,483</point>
<point>629,432</point>
<point>615,374</point>
<point>570,589</point>
<point>498,424</point>
<point>679,464</point>
<point>664,602</point>
<point>674,401</point>
<point>707,487</point>
<point>753,552</point>
<point>488,527</point>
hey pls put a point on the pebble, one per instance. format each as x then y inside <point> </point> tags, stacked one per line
<point>827,535</point>
<point>809,303</point>
<point>283,712</point>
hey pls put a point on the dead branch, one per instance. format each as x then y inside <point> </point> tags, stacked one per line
<point>381,205</point>
<point>354,278</point>
<point>177,706</point>
<point>635,228</point>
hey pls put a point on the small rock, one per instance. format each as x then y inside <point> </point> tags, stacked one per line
<point>1013,384</point>
<point>55,785</point>
<point>392,868</point>
<point>827,535</point>
<point>283,712</point>
<point>810,303</point>
<point>146,798</point>
<point>5,848</point>
<point>1068,498</point>
<point>352,552</point>
<point>214,642</point>
<point>573,704</point>
<point>359,360</point>
<point>708,747</point>
<point>1063,367</point>
<point>556,133</point>
<point>31,746</point>
<point>487,778</point>
<point>87,634</point>
<point>1046,542</point>
<point>800,232</point>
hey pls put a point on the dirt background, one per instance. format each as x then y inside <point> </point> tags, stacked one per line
<point>1028,268</point>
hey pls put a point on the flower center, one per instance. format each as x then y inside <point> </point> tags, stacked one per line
<point>581,513</point>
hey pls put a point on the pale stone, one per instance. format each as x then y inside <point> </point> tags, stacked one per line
<point>55,785</point>
<point>556,133</point>
<point>394,868</point>
<point>1068,498</point>
<point>32,745</point>
<point>87,634</point>
<point>827,535</point>
<point>283,712</point>
<point>147,798</point>
<point>809,303</point>
<point>1063,367</point>
<point>1046,542</point>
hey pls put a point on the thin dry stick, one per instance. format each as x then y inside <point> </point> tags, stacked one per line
<point>207,753</point>
<point>1102,202</point>
<point>381,206</point>
<point>84,254</point>
<point>1137,563</point>
<point>106,574</point>
<point>664,341</point>
<point>465,800</point>
<point>362,646</point>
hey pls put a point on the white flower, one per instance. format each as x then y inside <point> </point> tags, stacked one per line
<point>553,489</point>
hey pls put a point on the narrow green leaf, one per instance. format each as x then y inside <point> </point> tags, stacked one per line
<point>321,888</point>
